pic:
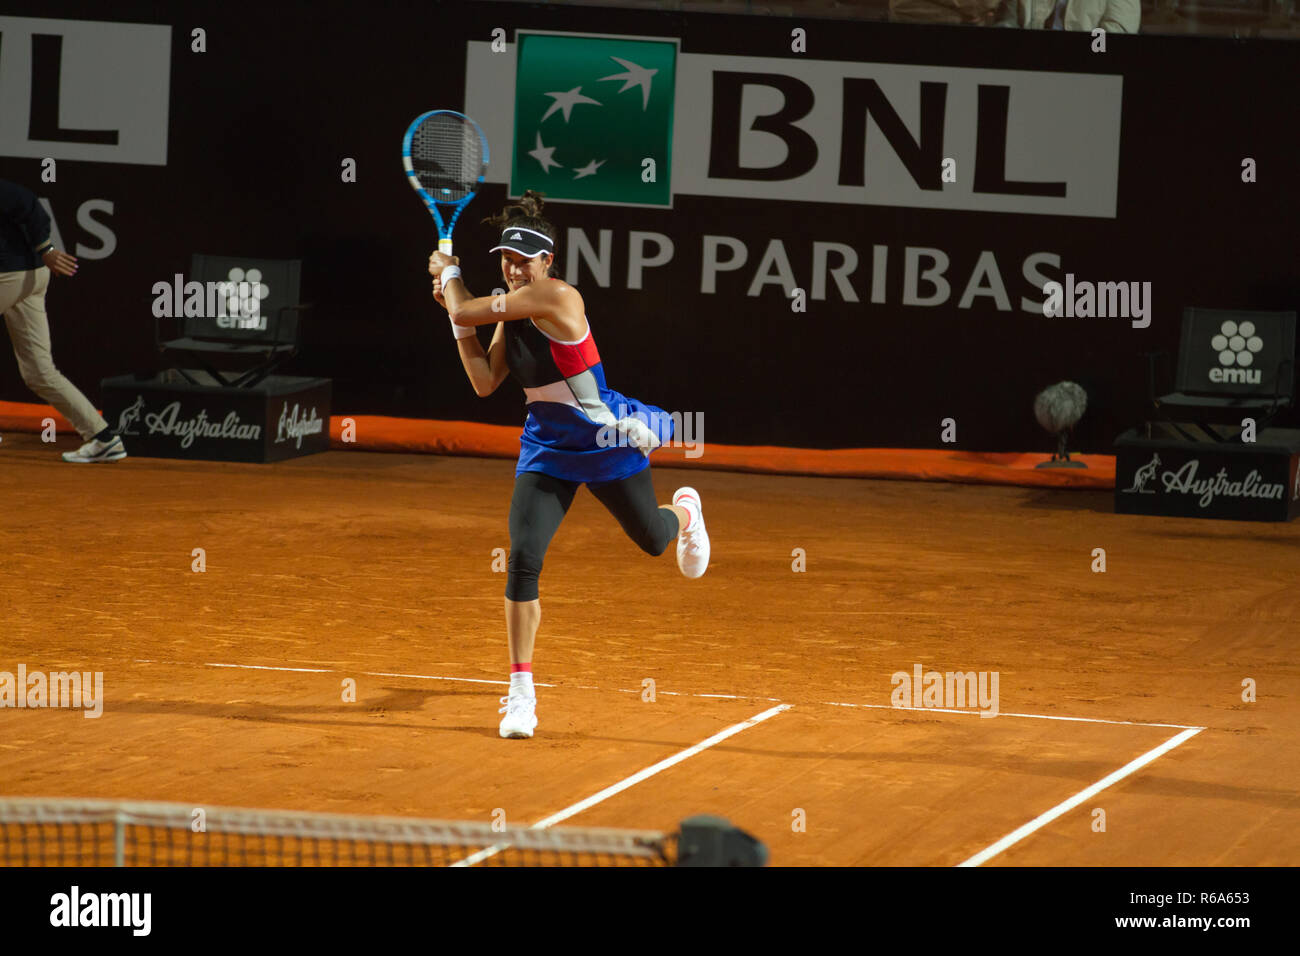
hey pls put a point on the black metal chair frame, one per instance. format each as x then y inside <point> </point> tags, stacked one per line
<point>275,351</point>
<point>1266,407</point>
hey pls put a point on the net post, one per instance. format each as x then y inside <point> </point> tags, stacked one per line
<point>712,841</point>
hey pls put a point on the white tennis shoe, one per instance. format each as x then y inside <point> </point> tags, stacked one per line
<point>520,718</point>
<point>92,451</point>
<point>692,544</point>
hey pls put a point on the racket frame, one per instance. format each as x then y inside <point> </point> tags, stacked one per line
<point>444,230</point>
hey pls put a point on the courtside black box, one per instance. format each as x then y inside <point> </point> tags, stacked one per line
<point>167,417</point>
<point>1245,481</point>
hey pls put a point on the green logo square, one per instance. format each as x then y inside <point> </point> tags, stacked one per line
<point>588,112</point>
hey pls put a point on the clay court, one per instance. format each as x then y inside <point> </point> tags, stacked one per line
<point>225,687</point>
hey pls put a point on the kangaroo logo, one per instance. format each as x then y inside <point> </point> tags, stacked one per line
<point>1142,476</point>
<point>129,416</point>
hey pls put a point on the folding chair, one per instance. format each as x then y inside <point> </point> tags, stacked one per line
<point>246,315</point>
<point>1231,363</point>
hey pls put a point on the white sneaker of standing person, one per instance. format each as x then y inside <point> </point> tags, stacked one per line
<point>693,540</point>
<point>94,450</point>
<point>520,718</point>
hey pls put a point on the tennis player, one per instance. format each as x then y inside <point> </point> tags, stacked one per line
<point>578,431</point>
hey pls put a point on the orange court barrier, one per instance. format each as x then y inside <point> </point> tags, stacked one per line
<point>418,435</point>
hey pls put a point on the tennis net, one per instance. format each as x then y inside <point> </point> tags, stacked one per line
<point>69,832</point>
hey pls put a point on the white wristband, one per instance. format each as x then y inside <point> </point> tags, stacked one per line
<point>462,331</point>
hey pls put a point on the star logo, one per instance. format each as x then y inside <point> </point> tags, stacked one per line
<point>597,155</point>
<point>543,154</point>
<point>515,235</point>
<point>633,75</point>
<point>566,101</point>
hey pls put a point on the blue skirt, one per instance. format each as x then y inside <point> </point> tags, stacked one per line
<point>560,441</point>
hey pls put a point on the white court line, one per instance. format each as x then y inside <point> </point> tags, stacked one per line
<point>678,693</point>
<point>672,693</point>
<point>468,680</point>
<point>259,667</point>
<point>465,680</point>
<point>983,856</point>
<point>975,713</point>
<point>1040,821</point>
<point>631,781</point>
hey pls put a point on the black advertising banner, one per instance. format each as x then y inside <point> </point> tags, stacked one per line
<point>280,417</point>
<point>1164,475</point>
<point>834,238</point>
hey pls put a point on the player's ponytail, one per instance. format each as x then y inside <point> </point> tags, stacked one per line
<point>526,212</point>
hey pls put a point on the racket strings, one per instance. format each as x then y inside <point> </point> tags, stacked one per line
<point>447,157</point>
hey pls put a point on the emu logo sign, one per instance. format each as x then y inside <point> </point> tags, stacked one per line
<point>1142,476</point>
<point>1236,345</point>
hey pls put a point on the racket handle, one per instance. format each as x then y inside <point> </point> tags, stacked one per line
<point>444,246</point>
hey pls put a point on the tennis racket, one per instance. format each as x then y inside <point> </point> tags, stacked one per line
<point>446,157</point>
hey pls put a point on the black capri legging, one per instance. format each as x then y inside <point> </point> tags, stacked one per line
<point>540,503</point>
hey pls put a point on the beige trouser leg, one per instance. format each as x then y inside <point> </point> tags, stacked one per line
<point>22,300</point>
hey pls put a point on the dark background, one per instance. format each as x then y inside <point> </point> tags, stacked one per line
<point>261,122</point>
